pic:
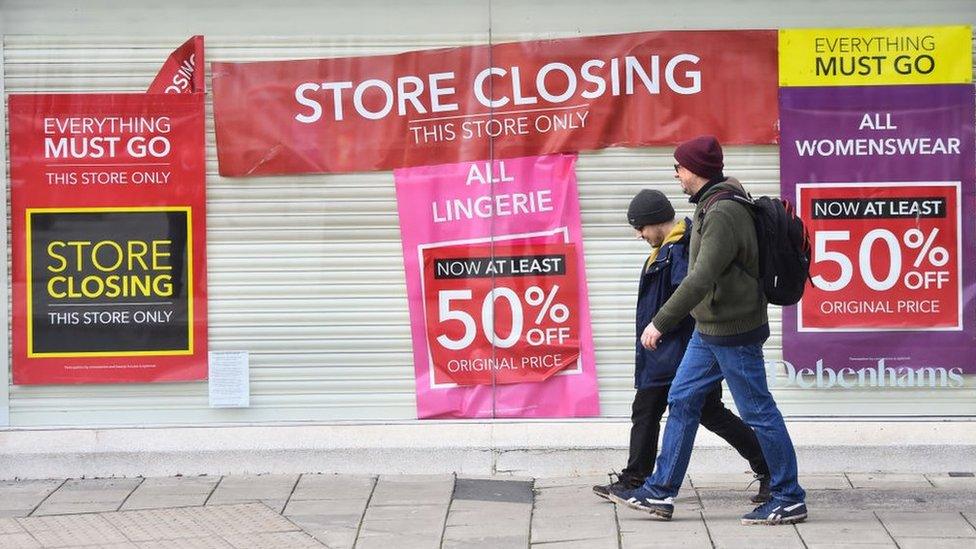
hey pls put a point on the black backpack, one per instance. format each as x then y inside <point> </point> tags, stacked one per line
<point>784,245</point>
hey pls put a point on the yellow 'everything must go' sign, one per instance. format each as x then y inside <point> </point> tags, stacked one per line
<point>876,56</point>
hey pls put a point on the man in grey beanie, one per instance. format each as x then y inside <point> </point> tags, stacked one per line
<point>652,217</point>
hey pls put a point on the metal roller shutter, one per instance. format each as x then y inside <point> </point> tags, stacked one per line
<point>306,272</point>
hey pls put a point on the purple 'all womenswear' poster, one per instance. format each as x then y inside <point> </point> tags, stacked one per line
<point>883,177</point>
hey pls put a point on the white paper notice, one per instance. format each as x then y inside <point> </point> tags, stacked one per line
<point>229,379</point>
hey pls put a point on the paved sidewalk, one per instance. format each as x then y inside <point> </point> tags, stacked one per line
<point>857,510</point>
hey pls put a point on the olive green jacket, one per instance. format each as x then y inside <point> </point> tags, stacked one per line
<point>722,290</point>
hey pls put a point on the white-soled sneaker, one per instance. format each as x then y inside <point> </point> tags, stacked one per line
<point>777,512</point>
<point>642,500</point>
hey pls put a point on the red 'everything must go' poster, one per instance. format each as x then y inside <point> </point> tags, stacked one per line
<point>109,238</point>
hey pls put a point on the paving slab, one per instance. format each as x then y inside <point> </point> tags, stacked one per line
<point>333,487</point>
<point>887,481</point>
<point>207,542</point>
<point>325,508</point>
<point>638,530</point>
<point>727,531</point>
<point>931,499</point>
<point>745,482</point>
<point>10,526</point>
<point>274,540</point>
<point>488,542</point>
<point>353,505</point>
<point>570,514</point>
<point>413,490</point>
<point>478,522</point>
<point>665,540</point>
<point>407,511</point>
<point>733,501</point>
<point>168,492</point>
<point>330,508</point>
<point>389,540</point>
<point>510,491</point>
<point>88,496</point>
<point>408,527</point>
<point>465,513</point>
<point>824,482</point>
<point>853,544</point>
<point>586,480</point>
<point>241,519</point>
<point>840,527</point>
<point>562,491</point>
<point>18,541</point>
<point>508,518</point>
<point>336,531</point>
<point>12,534</point>
<point>927,525</point>
<point>159,524</point>
<point>498,476</point>
<point>271,490</point>
<point>569,524</point>
<point>752,541</point>
<point>721,481</point>
<point>410,519</point>
<point>19,497</point>
<point>935,543</point>
<point>567,495</point>
<point>72,530</point>
<point>607,543</point>
<point>253,525</point>
<point>952,482</point>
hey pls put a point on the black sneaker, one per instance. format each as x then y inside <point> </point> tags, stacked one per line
<point>764,494</point>
<point>642,500</point>
<point>622,483</point>
<point>776,512</point>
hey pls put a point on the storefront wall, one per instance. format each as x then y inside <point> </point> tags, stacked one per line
<point>306,272</point>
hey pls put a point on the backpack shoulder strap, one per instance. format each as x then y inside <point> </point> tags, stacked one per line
<point>741,198</point>
<point>715,199</point>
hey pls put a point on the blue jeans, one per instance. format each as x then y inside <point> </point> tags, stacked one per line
<point>744,370</point>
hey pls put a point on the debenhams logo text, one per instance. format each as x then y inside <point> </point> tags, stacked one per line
<point>849,378</point>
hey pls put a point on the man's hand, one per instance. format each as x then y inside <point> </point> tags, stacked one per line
<point>650,337</point>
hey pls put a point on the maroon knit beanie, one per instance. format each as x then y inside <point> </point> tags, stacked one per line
<point>701,156</point>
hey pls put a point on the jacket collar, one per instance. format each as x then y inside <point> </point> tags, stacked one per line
<point>677,233</point>
<point>695,198</point>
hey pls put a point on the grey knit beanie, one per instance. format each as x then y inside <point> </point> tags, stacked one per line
<point>649,207</point>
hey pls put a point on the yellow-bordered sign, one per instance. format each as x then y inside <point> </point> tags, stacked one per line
<point>188,229</point>
<point>876,56</point>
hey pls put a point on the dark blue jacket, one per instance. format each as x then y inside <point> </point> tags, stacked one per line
<point>658,281</point>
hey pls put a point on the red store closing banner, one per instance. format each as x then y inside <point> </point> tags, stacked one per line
<point>507,100</point>
<point>109,238</point>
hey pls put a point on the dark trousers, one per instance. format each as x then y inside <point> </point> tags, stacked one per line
<point>648,408</point>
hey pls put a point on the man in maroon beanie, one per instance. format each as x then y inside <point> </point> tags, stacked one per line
<point>723,293</point>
